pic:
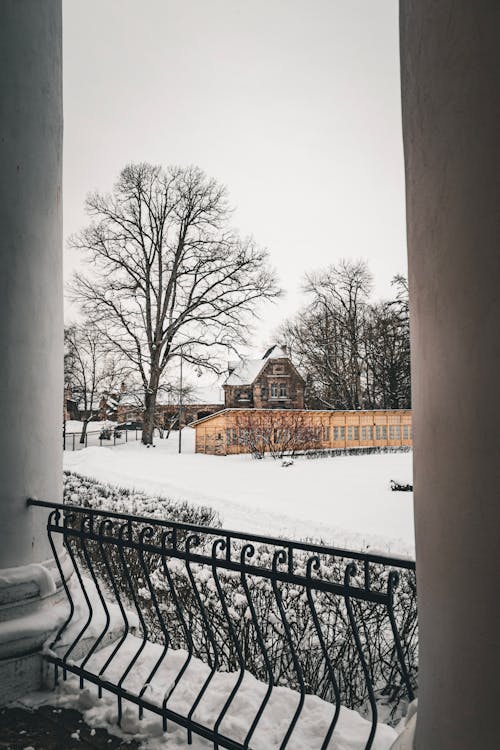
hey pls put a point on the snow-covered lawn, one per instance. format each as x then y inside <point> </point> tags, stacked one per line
<point>344,501</point>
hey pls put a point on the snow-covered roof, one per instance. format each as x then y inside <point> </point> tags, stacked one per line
<point>202,394</point>
<point>275,352</point>
<point>206,394</point>
<point>246,370</point>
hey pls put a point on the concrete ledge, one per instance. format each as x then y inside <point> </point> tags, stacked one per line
<point>20,675</point>
<point>406,740</point>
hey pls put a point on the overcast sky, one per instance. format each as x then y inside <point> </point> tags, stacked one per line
<point>293,104</point>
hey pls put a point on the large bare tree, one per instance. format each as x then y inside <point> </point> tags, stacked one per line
<point>170,276</point>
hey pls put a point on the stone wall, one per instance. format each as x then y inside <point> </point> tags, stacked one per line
<point>278,386</point>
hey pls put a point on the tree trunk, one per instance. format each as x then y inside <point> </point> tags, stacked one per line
<point>148,422</point>
<point>84,430</point>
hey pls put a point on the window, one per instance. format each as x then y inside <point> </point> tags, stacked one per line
<point>363,433</point>
<point>244,436</point>
<point>406,432</point>
<point>283,390</point>
<point>278,369</point>
<point>263,392</point>
<point>356,433</point>
<point>349,433</point>
<point>231,436</point>
<point>274,390</point>
<point>326,433</point>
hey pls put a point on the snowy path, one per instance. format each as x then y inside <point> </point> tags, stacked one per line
<point>344,501</point>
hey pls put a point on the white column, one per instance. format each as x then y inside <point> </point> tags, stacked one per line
<point>450,60</point>
<point>31,299</point>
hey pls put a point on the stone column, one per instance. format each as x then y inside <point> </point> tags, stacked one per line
<point>31,320</point>
<point>450,69</point>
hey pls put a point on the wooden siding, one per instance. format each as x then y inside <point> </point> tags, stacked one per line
<point>226,433</point>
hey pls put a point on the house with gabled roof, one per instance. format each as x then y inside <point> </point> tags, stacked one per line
<point>271,382</point>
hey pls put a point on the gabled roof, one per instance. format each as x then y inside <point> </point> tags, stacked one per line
<point>275,352</point>
<point>246,371</point>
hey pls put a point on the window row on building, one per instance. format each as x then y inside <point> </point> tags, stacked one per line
<point>242,430</point>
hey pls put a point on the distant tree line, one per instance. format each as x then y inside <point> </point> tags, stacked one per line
<point>354,353</point>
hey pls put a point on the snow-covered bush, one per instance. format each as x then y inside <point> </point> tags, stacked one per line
<point>88,493</point>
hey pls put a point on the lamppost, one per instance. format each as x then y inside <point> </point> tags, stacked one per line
<point>180,408</point>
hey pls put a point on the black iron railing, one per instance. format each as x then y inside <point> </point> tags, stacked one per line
<point>324,621</point>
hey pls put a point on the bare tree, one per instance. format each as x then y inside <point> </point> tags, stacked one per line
<point>278,433</point>
<point>90,368</point>
<point>354,354</point>
<point>328,336</point>
<point>171,276</point>
<point>388,350</point>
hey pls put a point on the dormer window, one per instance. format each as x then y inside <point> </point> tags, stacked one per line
<point>278,369</point>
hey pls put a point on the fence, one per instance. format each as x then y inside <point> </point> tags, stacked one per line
<point>71,440</point>
<point>337,624</point>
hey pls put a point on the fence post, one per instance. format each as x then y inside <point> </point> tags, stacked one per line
<point>114,437</point>
<point>126,436</point>
<point>86,439</point>
<point>73,441</point>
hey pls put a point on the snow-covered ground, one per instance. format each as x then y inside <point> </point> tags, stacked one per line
<point>351,732</point>
<point>345,501</point>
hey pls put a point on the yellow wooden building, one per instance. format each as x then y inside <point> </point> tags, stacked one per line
<point>283,431</point>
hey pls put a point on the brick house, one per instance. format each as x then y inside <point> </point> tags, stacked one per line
<point>70,406</point>
<point>272,382</point>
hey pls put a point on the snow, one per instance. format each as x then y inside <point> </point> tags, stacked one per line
<point>246,372</point>
<point>345,501</point>
<point>351,731</point>
<point>206,394</point>
<point>31,573</point>
<point>98,622</point>
<point>75,425</point>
